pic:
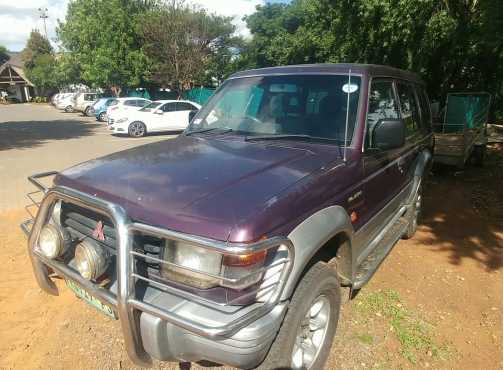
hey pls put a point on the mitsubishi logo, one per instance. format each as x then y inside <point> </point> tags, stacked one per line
<point>98,232</point>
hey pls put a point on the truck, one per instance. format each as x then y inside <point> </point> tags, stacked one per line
<point>237,241</point>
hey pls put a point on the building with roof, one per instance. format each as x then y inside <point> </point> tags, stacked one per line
<point>13,80</point>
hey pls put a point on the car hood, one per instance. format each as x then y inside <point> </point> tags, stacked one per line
<point>192,184</point>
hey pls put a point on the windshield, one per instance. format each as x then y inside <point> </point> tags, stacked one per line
<point>149,107</point>
<point>307,105</point>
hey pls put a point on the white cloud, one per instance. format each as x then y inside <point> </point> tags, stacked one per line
<point>19,17</point>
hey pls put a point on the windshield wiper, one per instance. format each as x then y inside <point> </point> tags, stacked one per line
<point>289,137</point>
<point>223,130</point>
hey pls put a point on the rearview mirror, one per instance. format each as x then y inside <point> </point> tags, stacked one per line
<point>389,134</point>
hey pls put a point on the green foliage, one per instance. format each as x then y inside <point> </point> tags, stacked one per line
<point>102,37</point>
<point>36,46</point>
<point>42,73</point>
<point>453,44</point>
<point>185,44</point>
<point>3,54</point>
<point>40,99</point>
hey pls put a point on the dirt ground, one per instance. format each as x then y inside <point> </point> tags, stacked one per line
<point>436,302</point>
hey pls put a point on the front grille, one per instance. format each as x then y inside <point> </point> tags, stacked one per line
<point>81,223</point>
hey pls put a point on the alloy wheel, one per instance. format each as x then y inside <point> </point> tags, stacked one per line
<point>137,129</point>
<point>311,334</point>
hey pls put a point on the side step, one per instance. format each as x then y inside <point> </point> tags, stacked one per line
<point>370,264</point>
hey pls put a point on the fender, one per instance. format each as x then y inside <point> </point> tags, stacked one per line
<point>311,234</point>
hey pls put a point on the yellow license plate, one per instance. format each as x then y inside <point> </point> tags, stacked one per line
<point>90,299</point>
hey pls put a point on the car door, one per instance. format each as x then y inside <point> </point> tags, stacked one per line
<point>383,179</point>
<point>181,117</point>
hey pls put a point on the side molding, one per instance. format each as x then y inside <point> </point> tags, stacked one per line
<point>310,235</point>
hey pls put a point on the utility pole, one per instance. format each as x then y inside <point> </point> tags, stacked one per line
<point>44,16</point>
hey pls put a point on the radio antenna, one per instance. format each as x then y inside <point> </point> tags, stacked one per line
<point>347,117</point>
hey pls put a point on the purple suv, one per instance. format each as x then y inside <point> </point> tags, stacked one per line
<point>234,242</point>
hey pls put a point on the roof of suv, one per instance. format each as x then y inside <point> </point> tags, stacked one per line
<point>373,70</point>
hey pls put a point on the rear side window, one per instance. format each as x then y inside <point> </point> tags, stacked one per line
<point>184,106</point>
<point>169,107</point>
<point>130,103</point>
<point>382,105</point>
<point>409,108</point>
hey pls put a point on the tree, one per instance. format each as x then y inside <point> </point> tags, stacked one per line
<point>102,36</point>
<point>3,55</point>
<point>43,72</point>
<point>180,40</point>
<point>35,46</point>
<point>453,44</point>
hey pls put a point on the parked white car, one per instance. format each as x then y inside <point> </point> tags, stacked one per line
<point>158,116</point>
<point>66,102</point>
<point>122,107</point>
<point>83,102</point>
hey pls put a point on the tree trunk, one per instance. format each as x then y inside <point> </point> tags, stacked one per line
<point>116,90</point>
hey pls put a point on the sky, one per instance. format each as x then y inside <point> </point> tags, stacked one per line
<point>19,17</point>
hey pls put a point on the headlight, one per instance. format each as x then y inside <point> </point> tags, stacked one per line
<point>52,241</point>
<point>122,120</point>
<point>202,268</point>
<point>191,258</point>
<point>90,260</point>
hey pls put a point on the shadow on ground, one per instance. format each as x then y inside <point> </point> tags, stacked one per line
<point>29,134</point>
<point>463,211</point>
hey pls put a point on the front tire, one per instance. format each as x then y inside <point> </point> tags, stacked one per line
<point>69,109</point>
<point>102,117</point>
<point>88,111</point>
<point>308,330</point>
<point>137,129</point>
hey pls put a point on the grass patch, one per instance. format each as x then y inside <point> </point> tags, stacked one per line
<point>365,338</point>
<point>414,335</point>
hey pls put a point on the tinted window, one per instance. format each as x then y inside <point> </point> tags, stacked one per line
<point>409,108</point>
<point>169,107</point>
<point>184,106</point>
<point>130,103</point>
<point>382,105</point>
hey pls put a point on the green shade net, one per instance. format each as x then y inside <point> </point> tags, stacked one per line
<point>198,95</point>
<point>466,110</point>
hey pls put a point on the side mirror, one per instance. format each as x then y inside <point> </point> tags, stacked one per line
<point>192,113</point>
<point>159,112</point>
<point>389,134</point>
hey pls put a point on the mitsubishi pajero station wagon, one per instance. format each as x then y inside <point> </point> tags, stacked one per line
<point>234,242</point>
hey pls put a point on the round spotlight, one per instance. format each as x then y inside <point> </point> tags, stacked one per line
<point>52,241</point>
<point>90,260</point>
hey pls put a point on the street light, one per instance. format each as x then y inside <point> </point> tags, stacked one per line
<point>44,16</point>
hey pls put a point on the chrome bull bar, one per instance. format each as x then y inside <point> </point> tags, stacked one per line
<point>125,302</point>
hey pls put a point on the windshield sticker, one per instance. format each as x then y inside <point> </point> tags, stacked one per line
<point>349,88</point>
